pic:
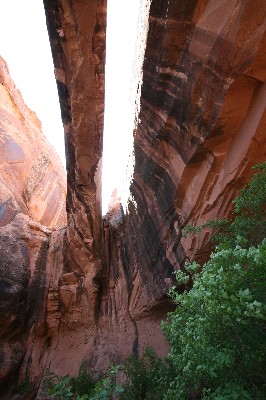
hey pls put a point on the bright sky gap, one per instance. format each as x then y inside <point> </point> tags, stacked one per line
<point>125,47</point>
<point>24,45</point>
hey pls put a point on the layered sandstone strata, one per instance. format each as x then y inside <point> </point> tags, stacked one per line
<point>32,214</point>
<point>32,178</point>
<point>202,128</point>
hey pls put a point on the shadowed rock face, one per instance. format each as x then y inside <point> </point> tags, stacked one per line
<point>202,121</point>
<point>105,283</point>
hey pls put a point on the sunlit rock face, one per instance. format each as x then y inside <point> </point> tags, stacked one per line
<point>32,178</point>
<point>202,127</point>
<point>32,214</point>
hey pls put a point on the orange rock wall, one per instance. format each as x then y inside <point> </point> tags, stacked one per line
<point>32,209</point>
<point>202,128</point>
<point>203,116</point>
<point>32,178</point>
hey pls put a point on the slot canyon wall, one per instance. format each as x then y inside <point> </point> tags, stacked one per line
<point>32,224</point>
<point>96,291</point>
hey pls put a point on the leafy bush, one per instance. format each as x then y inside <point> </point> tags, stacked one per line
<point>248,219</point>
<point>217,332</point>
<point>84,383</point>
<point>85,386</point>
<point>21,388</point>
<point>146,378</point>
<point>107,387</point>
<point>250,210</point>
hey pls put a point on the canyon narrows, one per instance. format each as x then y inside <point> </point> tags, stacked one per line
<point>93,289</point>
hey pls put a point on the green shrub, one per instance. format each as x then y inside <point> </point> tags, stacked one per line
<point>248,220</point>
<point>217,332</point>
<point>107,387</point>
<point>146,378</point>
<point>65,388</point>
<point>85,386</point>
<point>62,390</point>
<point>84,383</point>
<point>22,387</point>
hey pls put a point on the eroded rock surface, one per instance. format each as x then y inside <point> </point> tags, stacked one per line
<point>32,209</point>
<point>202,128</point>
<point>32,178</point>
<point>26,266</point>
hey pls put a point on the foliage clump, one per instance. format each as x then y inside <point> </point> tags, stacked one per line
<point>146,378</point>
<point>248,220</point>
<point>86,386</point>
<point>217,332</point>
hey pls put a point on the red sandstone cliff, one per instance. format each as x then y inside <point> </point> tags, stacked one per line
<point>32,178</point>
<point>202,128</point>
<point>32,208</point>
